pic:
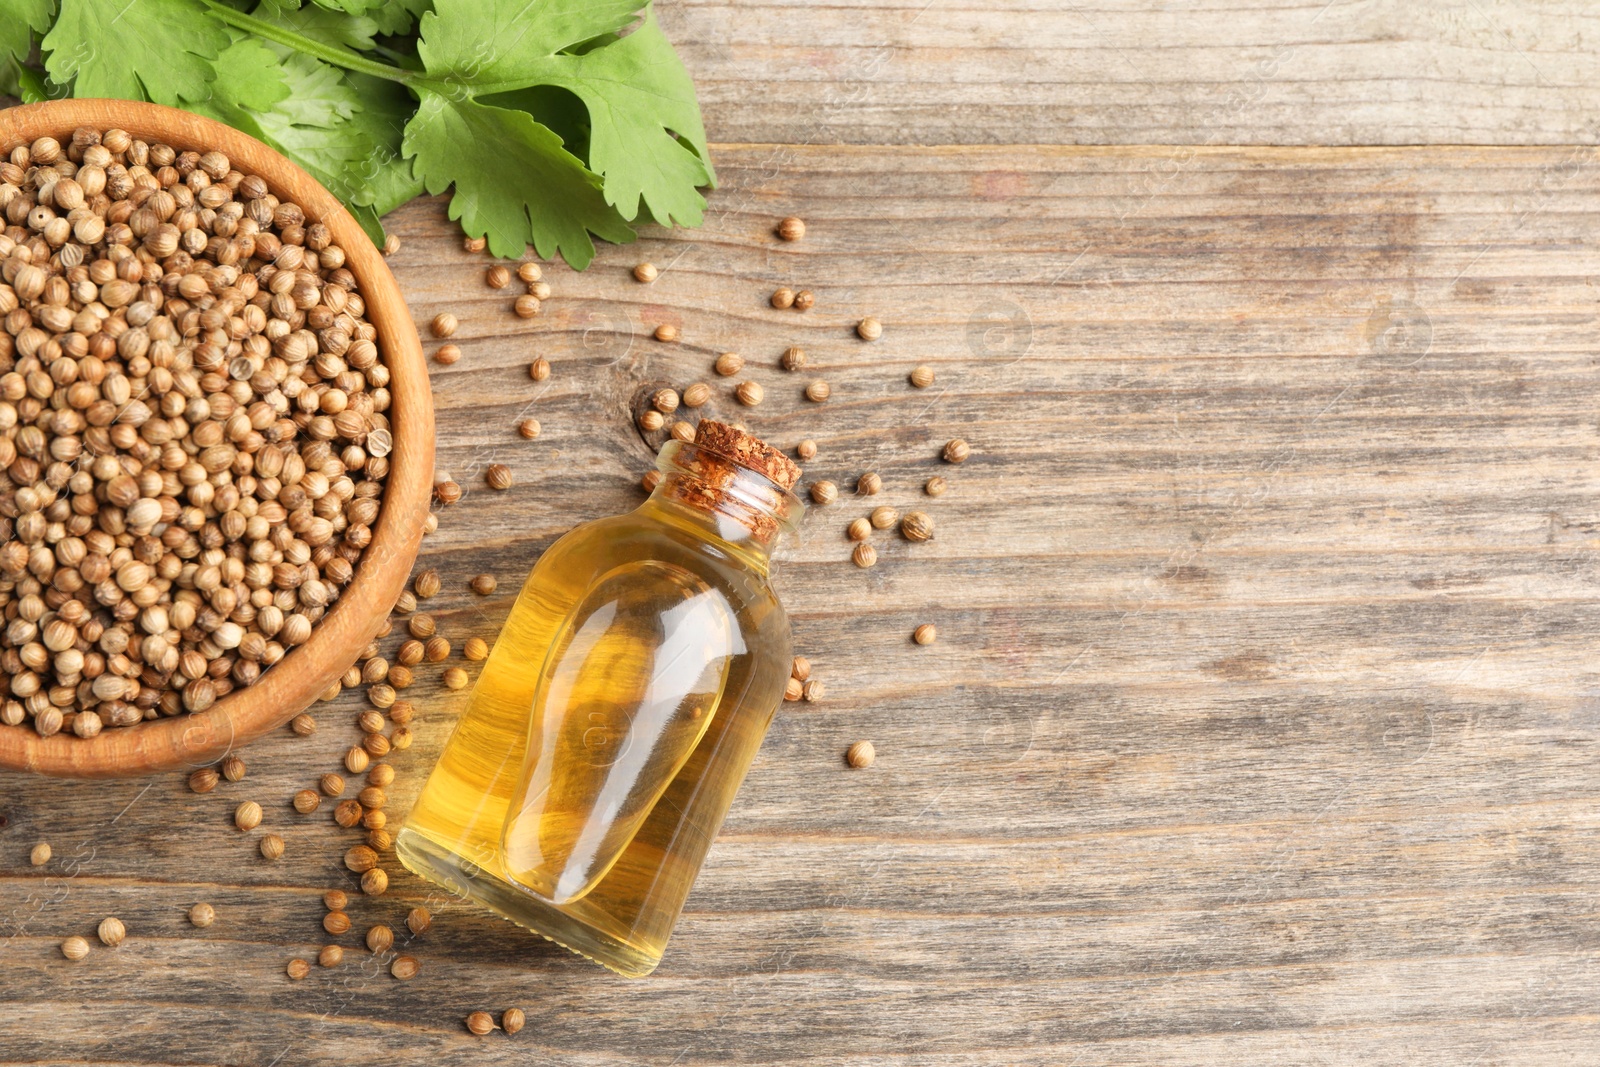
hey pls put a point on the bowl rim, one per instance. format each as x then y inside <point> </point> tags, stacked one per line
<point>295,682</point>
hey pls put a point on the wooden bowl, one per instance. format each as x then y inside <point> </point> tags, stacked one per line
<point>290,686</point>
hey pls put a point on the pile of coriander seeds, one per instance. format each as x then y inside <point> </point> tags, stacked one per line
<point>192,432</point>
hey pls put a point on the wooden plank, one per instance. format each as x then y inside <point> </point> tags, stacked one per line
<point>1261,723</point>
<point>1209,72</point>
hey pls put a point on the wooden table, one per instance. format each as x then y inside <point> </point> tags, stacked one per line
<point>1261,722</point>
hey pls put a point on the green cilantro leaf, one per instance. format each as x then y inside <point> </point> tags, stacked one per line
<point>157,50</point>
<point>19,20</point>
<point>514,182</point>
<point>248,73</point>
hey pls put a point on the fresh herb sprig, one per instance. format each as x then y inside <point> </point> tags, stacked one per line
<point>551,120</point>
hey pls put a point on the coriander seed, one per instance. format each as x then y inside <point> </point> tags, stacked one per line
<point>650,480</point>
<point>380,839</point>
<point>75,948</point>
<point>372,798</point>
<point>436,649</point>
<point>448,492</point>
<point>792,689</point>
<point>381,775</point>
<point>926,634</point>
<point>475,244</point>
<point>498,476</point>
<point>696,395</point>
<point>297,969</point>
<point>749,393</point>
<point>455,678</point>
<point>883,517</point>
<point>418,921</point>
<point>935,486</point>
<point>379,939</point>
<point>335,900</point>
<point>683,431</point>
<point>405,968</point>
<point>858,530</point>
<point>869,484</point>
<point>805,300</point>
<point>303,725</point>
<point>330,956</point>
<point>204,780</point>
<point>331,785</point>
<point>247,816</point>
<point>791,229</point>
<point>824,492</point>
<point>360,859</point>
<point>783,298</point>
<point>356,759</point>
<point>861,754</point>
<point>651,420</point>
<point>391,244</point>
<point>818,391</point>
<point>111,932</point>
<point>426,584</point>
<point>347,813</point>
<point>864,555</point>
<point>40,855</point>
<point>483,584</point>
<point>528,428</point>
<point>376,745</point>
<point>271,846</point>
<point>202,915</point>
<point>529,272</point>
<point>421,626</point>
<point>498,276</point>
<point>444,324</point>
<point>869,329</point>
<point>307,801</point>
<point>526,306</point>
<point>922,377</point>
<point>665,401</point>
<point>476,649</point>
<point>916,526</point>
<point>539,369</point>
<point>645,273</point>
<point>814,691</point>
<point>336,923</point>
<point>512,1020</point>
<point>666,333</point>
<point>956,451</point>
<point>806,450</point>
<point>233,769</point>
<point>728,364</point>
<point>800,668</point>
<point>375,883</point>
<point>793,358</point>
<point>480,1022</point>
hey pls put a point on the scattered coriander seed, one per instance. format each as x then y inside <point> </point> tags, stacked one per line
<point>728,364</point>
<point>814,691</point>
<point>869,484</point>
<point>792,689</point>
<point>391,244</point>
<point>444,324</point>
<point>650,480</point>
<point>356,759</point>
<point>372,798</point>
<point>783,298</point>
<point>922,377</point>
<point>935,486</point>
<point>665,401</point>
<point>381,775</point>
<point>861,754</point>
<point>447,491</point>
<point>379,939</point>
<point>376,745</point>
<point>539,369</point>
<point>793,358</point>
<point>382,695</point>
<point>233,769</point>
<point>864,555</point>
<point>297,969</point>
<point>247,816</point>
<point>202,915</point>
<point>375,883</point>
<point>916,526</point>
<point>869,329</point>
<point>406,603</point>
<point>651,420</point>
<point>480,1022</point>
<point>111,932</point>
<point>858,530</point>
<point>421,626</point>
<point>271,846</point>
<point>818,391</point>
<point>330,956</point>
<point>926,634</point>
<point>528,428</point>
<point>666,333</point>
<point>483,584</point>
<point>526,306</point>
<point>380,839</point>
<point>370,721</point>
<point>401,713</point>
<point>498,476</point>
<point>436,649</point>
<point>956,451</point>
<point>645,273</point>
<point>331,785</point>
<point>405,967</point>
<point>791,229</point>
<point>303,725</point>
<point>824,492</point>
<point>749,393</point>
<point>419,921</point>
<point>427,583</point>
<point>335,899</point>
<point>455,678</point>
<point>512,1020</point>
<point>805,300</point>
<point>800,668</point>
<point>360,859</point>
<point>75,948</point>
<point>204,780</point>
<point>307,801</point>
<point>336,923</point>
<point>447,355</point>
<point>529,272</point>
<point>475,244</point>
<point>683,431</point>
<point>347,813</point>
<point>498,276</point>
<point>806,450</point>
<point>40,855</point>
<point>883,517</point>
<point>696,395</point>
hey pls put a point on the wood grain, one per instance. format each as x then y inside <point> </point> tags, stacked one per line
<point>1261,724</point>
<point>1216,72</point>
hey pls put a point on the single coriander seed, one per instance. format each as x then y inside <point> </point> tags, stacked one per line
<point>336,923</point>
<point>307,801</point>
<point>926,634</point>
<point>526,306</point>
<point>330,956</point>
<point>405,968</point>
<point>303,725</point>
<point>297,969</point>
<point>528,428</point>
<point>271,846</point>
<point>483,584</point>
<point>381,775</point>
<point>749,393</point>
<point>916,526</point>
<point>956,451</point>
<point>498,476</point>
<point>665,401</point>
<point>793,358</point>
<point>883,517</point>
<point>40,855</point>
<point>869,329</point>
<point>379,939</point>
<point>498,276</point>
<point>935,486</point>
<point>75,948</point>
<point>651,420</point>
<point>645,273</point>
<point>818,391</point>
<point>447,355</point>
<point>666,333</point>
<point>335,899</point>
<point>864,555</point>
<point>233,769</point>
<point>922,377</point>
<point>331,785</point>
<point>419,921</point>
<point>202,915</point>
<point>529,272</point>
<point>792,689</point>
<point>475,244</point>
<point>455,678</point>
<point>858,530</point>
<point>728,364</point>
<point>791,229</point>
<point>683,431</point>
<point>375,883</point>
<point>861,754</point>
<point>512,1020</point>
<point>480,1022</point>
<point>650,480</point>
<point>444,324</point>
<point>111,932</point>
<point>204,780</point>
<point>824,492</point>
<point>391,244</point>
<point>869,484</point>
<point>806,450</point>
<point>696,395</point>
<point>814,691</point>
<point>805,300</point>
<point>800,668</point>
<point>247,816</point>
<point>539,369</point>
<point>427,583</point>
<point>783,298</point>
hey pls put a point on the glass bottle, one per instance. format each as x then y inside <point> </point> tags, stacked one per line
<point>623,702</point>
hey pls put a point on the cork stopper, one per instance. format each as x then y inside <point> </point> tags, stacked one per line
<point>747,450</point>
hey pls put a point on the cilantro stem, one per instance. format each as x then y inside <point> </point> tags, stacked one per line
<point>339,57</point>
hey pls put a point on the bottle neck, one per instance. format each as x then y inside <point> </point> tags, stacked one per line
<point>739,506</point>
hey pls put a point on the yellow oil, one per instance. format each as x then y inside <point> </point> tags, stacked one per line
<point>610,727</point>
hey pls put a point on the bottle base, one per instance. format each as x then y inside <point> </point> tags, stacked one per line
<point>426,859</point>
